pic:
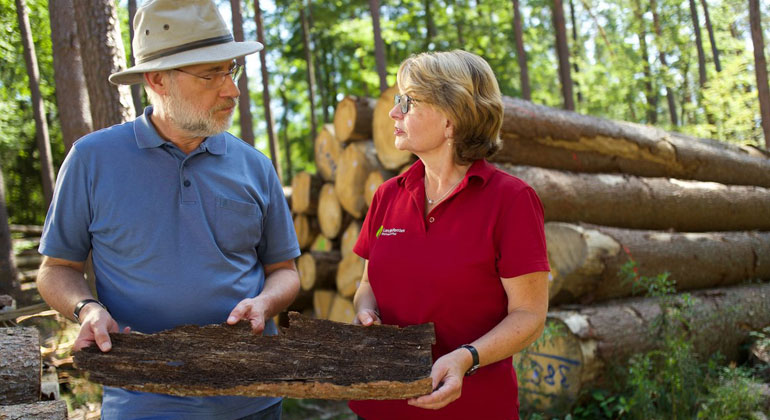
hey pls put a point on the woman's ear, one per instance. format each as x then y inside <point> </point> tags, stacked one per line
<point>449,129</point>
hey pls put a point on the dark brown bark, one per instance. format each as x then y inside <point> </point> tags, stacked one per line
<point>575,45</point>
<point>760,68</point>
<point>664,64</point>
<point>698,44</point>
<point>136,90</point>
<point>541,136</point>
<point>305,189</point>
<point>596,338</point>
<point>646,203</point>
<point>430,26</point>
<point>309,359</point>
<point>379,45</point>
<point>38,107</point>
<point>101,48</point>
<point>586,260</point>
<point>9,282</point>
<point>20,366</point>
<point>649,89</point>
<point>266,91</point>
<point>318,270</point>
<point>710,29</point>
<point>41,410</point>
<point>244,100</point>
<point>562,52</point>
<point>521,54</point>
<point>71,92</point>
<point>309,68</point>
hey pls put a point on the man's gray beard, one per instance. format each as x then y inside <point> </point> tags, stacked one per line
<point>194,121</point>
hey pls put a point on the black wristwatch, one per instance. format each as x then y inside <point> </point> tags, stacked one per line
<point>475,355</point>
<point>82,304</point>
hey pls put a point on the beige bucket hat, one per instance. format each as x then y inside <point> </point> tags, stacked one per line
<point>170,34</point>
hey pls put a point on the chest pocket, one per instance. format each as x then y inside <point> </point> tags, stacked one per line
<point>238,225</point>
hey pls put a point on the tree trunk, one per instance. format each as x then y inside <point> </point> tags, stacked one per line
<point>285,129</point>
<point>459,22</point>
<point>379,45</point>
<point>266,91</point>
<point>596,338</point>
<point>355,164</point>
<point>562,52</point>
<point>349,274</point>
<point>318,270</point>
<point>353,119</point>
<point>760,68</point>
<point>664,65</point>
<point>101,48</point>
<point>331,217</point>
<point>384,134</point>
<point>309,69</point>
<point>430,27</point>
<point>713,40</point>
<point>38,107</point>
<point>547,137</point>
<point>349,238</point>
<point>586,259</point>
<point>521,54</point>
<point>20,366</point>
<point>649,90</point>
<point>71,92</point>
<point>327,153</point>
<point>306,228</point>
<point>41,410</point>
<point>305,189</point>
<point>698,44</point>
<point>244,100</point>
<point>309,359</point>
<point>646,203</point>
<point>136,89</point>
<point>9,276</point>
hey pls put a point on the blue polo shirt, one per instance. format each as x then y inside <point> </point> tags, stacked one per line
<point>176,238</point>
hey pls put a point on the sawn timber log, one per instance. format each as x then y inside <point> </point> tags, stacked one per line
<point>41,410</point>
<point>630,201</point>
<point>20,365</point>
<point>537,135</point>
<point>309,359</point>
<point>586,259</point>
<point>592,339</point>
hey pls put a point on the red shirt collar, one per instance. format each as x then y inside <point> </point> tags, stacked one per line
<point>413,178</point>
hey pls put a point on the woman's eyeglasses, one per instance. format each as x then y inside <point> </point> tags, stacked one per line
<point>216,80</point>
<point>403,101</point>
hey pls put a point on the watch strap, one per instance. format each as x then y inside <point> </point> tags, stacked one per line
<point>82,304</point>
<point>475,356</point>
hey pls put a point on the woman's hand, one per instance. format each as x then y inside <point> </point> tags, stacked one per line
<point>447,374</point>
<point>367,317</point>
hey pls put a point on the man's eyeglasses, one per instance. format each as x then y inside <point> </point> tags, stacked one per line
<point>403,101</point>
<point>216,80</point>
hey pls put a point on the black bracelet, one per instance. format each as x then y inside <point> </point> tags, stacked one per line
<point>475,356</point>
<point>82,304</point>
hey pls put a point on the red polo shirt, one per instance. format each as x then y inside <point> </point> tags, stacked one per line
<point>445,268</point>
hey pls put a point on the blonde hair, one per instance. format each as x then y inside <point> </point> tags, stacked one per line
<point>462,86</point>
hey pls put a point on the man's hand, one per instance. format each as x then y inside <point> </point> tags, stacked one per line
<point>97,324</point>
<point>253,310</point>
<point>447,374</point>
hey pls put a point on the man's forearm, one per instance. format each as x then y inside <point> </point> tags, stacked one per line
<point>62,286</point>
<point>281,288</point>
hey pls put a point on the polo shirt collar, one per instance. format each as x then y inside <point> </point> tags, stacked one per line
<point>413,178</point>
<point>147,136</point>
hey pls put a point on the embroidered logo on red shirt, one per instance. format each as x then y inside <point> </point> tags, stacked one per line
<point>388,232</point>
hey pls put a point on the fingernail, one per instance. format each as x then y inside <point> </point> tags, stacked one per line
<point>368,320</point>
<point>106,347</point>
<point>232,320</point>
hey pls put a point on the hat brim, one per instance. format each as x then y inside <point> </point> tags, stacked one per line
<point>210,54</point>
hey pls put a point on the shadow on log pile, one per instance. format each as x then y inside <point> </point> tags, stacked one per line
<point>309,359</point>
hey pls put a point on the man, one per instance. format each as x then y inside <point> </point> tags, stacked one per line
<point>186,223</point>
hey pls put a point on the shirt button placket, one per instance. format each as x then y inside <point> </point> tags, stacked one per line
<point>432,219</point>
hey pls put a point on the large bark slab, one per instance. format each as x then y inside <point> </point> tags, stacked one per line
<point>20,366</point>
<point>541,136</point>
<point>41,410</point>
<point>646,203</point>
<point>310,359</point>
<point>592,339</point>
<point>586,259</point>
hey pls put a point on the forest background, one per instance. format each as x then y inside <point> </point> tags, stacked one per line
<point>681,65</point>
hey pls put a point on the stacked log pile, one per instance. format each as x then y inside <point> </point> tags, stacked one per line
<point>613,192</point>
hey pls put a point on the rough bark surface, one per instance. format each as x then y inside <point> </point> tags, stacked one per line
<point>20,366</point>
<point>562,52</point>
<point>646,203</point>
<point>586,259</point>
<point>595,338</point>
<point>760,67</point>
<point>244,100</point>
<point>541,136</point>
<point>353,119</point>
<point>41,410</point>
<point>327,153</point>
<point>9,283</point>
<point>521,54</point>
<point>383,133</point>
<point>379,45</point>
<point>309,359</point>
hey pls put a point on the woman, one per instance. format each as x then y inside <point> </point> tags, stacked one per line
<point>456,242</point>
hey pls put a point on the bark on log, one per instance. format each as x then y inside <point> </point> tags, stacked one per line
<point>586,259</point>
<point>383,133</point>
<point>318,270</point>
<point>353,119</point>
<point>342,310</point>
<point>305,189</point>
<point>646,203</point>
<point>349,274</point>
<point>594,338</point>
<point>331,217</point>
<point>355,164</point>
<point>20,365</point>
<point>327,153</point>
<point>310,359</point>
<point>306,228</point>
<point>41,410</point>
<point>541,136</point>
<point>322,302</point>
<point>349,238</point>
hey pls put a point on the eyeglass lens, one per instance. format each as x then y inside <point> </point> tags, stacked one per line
<point>403,102</point>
